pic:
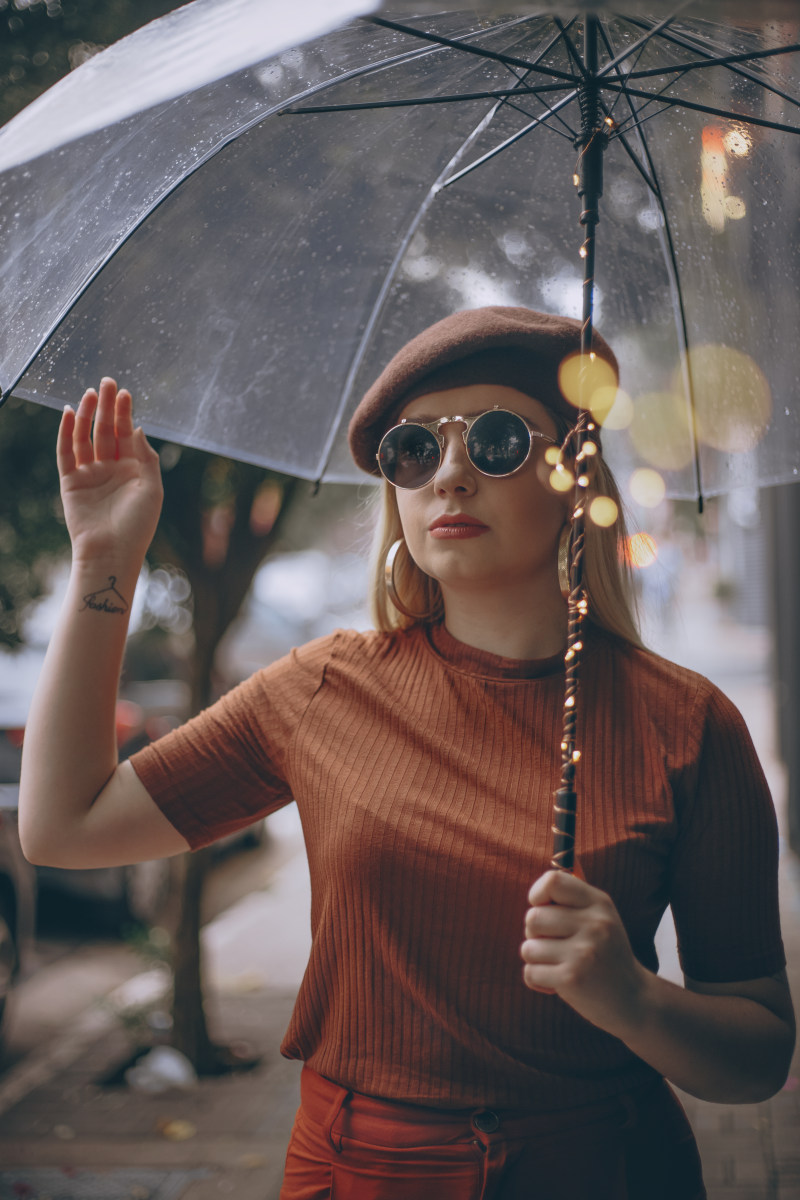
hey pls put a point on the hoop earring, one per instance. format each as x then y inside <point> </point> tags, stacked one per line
<point>391,587</point>
<point>563,560</point>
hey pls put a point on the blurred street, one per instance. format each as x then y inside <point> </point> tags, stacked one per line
<point>63,1134</point>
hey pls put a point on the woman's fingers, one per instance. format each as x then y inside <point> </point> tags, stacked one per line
<point>542,951</point>
<point>123,425</point>
<point>82,433</point>
<point>100,431</point>
<point>551,921</point>
<point>105,441</point>
<point>559,887</point>
<point>65,455</point>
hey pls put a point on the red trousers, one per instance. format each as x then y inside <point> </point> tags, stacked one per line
<point>346,1146</point>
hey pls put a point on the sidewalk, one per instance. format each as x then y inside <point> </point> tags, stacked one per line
<point>64,1137</point>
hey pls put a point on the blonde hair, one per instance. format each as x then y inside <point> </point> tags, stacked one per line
<point>606,573</point>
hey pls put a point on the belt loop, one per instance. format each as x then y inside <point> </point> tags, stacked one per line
<point>333,1116</point>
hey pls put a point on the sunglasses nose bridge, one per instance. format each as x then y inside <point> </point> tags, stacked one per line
<point>454,457</point>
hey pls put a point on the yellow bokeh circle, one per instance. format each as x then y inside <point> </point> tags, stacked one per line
<point>641,550</point>
<point>647,487</point>
<point>603,511</point>
<point>620,414</point>
<point>561,481</point>
<point>660,430</point>
<point>587,381</point>
<point>733,402</point>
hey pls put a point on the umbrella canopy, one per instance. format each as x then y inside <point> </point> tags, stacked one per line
<point>247,268</point>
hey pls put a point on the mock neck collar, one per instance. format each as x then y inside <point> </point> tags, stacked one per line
<point>483,663</point>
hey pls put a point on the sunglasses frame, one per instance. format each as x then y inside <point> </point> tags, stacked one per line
<point>434,427</point>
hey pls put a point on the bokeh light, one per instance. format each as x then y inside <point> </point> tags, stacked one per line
<point>735,208</point>
<point>733,402</point>
<point>714,177</point>
<point>603,511</point>
<point>660,430</point>
<point>647,487</point>
<point>586,382</point>
<point>641,550</point>
<point>738,141</point>
<point>562,481</point>
<point>720,144</point>
<point>620,413</point>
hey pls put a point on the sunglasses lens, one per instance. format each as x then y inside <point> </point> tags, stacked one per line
<point>408,456</point>
<point>498,443</point>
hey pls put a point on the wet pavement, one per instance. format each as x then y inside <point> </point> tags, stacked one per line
<point>64,1136</point>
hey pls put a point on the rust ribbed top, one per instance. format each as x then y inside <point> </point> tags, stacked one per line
<point>424,773</point>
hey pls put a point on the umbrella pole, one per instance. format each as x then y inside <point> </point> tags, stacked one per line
<point>589,176</point>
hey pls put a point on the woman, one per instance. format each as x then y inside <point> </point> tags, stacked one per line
<point>423,758</point>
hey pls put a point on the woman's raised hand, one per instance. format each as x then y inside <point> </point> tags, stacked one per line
<point>110,478</point>
<point>576,947</point>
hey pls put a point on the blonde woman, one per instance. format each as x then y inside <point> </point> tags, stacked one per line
<point>472,1023</point>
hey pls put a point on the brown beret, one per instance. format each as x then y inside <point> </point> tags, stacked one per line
<point>513,346</point>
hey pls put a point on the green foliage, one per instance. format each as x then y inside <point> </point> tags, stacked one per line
<point>32,530</point>
<point>42,40</point>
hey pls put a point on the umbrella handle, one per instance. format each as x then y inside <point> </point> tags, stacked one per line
<point>564,830</point>
<point>591,143</point>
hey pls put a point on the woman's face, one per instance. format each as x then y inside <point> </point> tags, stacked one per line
<point>516,520</point>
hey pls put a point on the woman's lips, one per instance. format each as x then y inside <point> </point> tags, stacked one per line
<point>447,528</point>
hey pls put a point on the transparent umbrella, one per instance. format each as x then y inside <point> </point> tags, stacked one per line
<point>246,255</point>
<point>247,272</point>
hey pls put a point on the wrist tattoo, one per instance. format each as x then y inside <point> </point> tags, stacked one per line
<point>106,599</point>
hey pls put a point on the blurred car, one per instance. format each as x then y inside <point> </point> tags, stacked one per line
<point>135,894</point>
<point>18,889</point>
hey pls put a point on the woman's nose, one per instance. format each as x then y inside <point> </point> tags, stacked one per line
<point>456,472</point>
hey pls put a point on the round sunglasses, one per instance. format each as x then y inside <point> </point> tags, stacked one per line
<point>498,443</point>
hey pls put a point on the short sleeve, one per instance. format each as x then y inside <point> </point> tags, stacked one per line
<point>724,868</point>
<point>226,767</point>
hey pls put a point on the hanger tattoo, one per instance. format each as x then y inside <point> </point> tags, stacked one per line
<point>106,599</point>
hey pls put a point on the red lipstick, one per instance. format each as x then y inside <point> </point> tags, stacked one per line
<point>457,525</point>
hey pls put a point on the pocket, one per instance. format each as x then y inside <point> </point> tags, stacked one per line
<point>307,1174</point>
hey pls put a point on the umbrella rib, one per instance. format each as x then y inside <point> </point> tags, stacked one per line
<point>571,51</point>
<point>569,136</point>
<point>638,112</point>
<point>380,300</point>
<point>221,145</point>
<point>675,102</point>
<point>467,47</point>
<point>611,54</point>
<point>563,34</point>
<point>688,43</point>
<point>653,31</point>
<point>623,78</point>
<point>494,94</point>
<point>675,272</point>
<point>515,137</point>
<point>418,101</point>
<point>722,61</point>
<point>357,73</point>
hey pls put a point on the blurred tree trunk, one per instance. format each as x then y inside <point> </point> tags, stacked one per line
<point>220,520</point>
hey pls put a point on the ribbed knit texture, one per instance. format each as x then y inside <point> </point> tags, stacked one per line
<point>424,772</point>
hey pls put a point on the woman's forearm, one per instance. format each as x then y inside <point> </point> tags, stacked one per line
<point>70,747</point>
<point>727,1049</point>
<point>729,1043</point>
<point>111,491</point>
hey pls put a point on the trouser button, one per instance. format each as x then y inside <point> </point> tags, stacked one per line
<point>486,1121</point>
